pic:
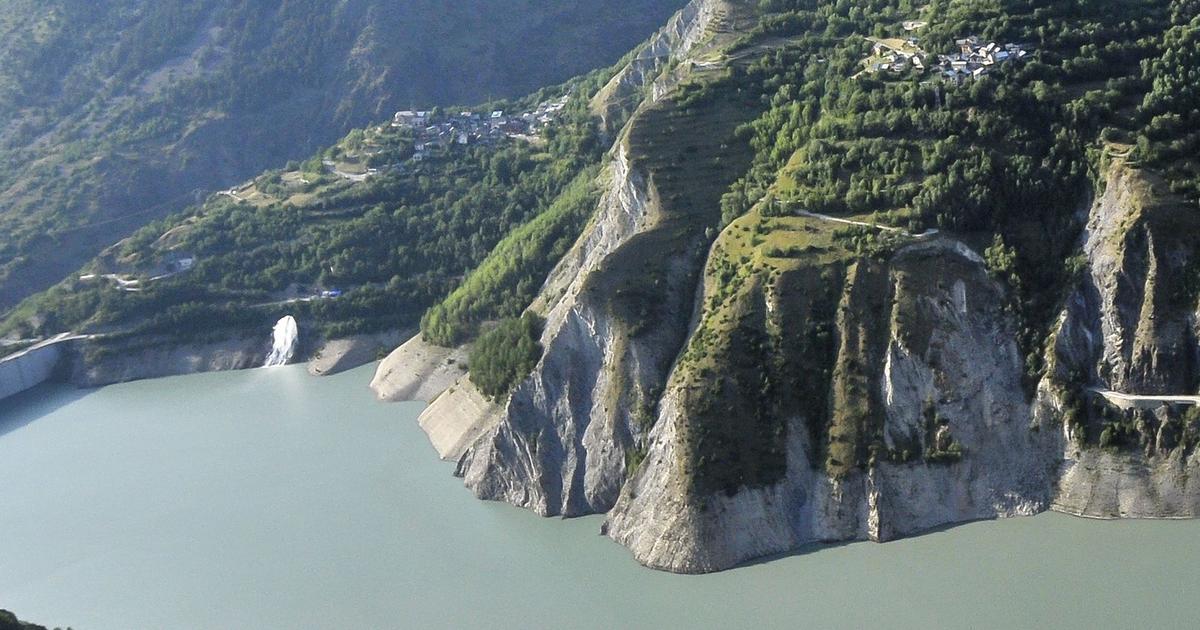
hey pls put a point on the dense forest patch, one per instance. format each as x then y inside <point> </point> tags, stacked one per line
<point>505,355</point>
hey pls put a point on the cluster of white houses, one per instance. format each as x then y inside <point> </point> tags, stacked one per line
<point>896,55</point>
<point>466,128</point>
<point>974,58</point>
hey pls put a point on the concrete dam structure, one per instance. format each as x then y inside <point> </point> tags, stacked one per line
<point>30,367</point>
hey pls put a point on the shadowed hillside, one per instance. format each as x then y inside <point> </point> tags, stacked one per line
<point>118,113</point>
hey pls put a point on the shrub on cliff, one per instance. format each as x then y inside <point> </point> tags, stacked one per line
<point>505,355</point>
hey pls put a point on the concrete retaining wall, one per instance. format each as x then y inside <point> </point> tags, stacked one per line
<point>28,369</point>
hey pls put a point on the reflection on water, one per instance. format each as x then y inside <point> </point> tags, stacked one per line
<point>269,499</point>
<point>25,407</point>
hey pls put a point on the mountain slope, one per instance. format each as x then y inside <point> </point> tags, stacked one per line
<point>119,113</point>
<point>874,322</point>
<point>809,292</point>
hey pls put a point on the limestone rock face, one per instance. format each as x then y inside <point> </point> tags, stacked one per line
<point>949,357</point>
<point>560,445</point>
<point>627,89</point>
<point>667,528</point>
<point>538,454</point>
<point>1124,324</point>
<point>896,403</point>
<point>1129,327</point>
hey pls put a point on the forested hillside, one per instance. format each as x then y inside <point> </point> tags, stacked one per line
<point>353,253</point>
<point>117,113</point>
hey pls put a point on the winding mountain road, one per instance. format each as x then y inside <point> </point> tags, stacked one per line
<point>877,226</point>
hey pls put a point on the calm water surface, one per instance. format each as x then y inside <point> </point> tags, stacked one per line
<point>270,499</point>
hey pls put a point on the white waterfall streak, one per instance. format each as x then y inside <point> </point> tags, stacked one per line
<point>283,343</point>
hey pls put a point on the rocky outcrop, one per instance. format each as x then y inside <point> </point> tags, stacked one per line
<point>932,392</point>
<point>1130,327</point>
<point>616,314</point>
<point>950,388</point>
<point>560,446</point>
<point>720,408</point>
<point>1130,324</point>
<point>642,78</point>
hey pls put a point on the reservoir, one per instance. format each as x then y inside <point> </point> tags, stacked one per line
<point>272,499</point>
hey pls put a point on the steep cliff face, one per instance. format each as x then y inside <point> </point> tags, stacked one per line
<point>919,417</point>
<point>1130,328</point>
<point>1134,306</point>
<point>643,76</point>
<point>726,392</point>
<point>927,426</point>
<point>616,308</point>
<point>558,423</point>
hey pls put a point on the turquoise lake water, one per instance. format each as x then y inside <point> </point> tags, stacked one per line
<point>271,499</point>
